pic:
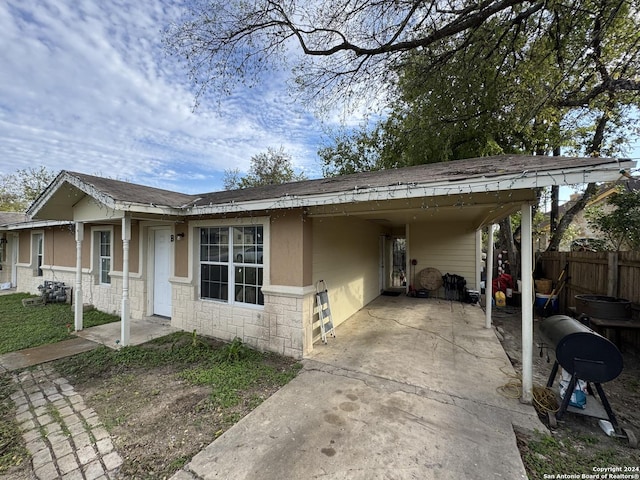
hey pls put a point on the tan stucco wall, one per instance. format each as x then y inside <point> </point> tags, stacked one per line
<point>181,252</point>
<point>60,247</point>
<point>346,255</point>
<point>291,242</point>
<point>449,247</point>
<point>24,248</point>
<point>134,248</point>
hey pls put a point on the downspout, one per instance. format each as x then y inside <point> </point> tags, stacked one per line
<point>488,285</point>
<point>527,304</point>
<point>78,297</point>
<point>125,326</point>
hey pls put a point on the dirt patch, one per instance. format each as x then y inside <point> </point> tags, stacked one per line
<point>159,421</point>
<point>575,434</point>
<point>163,402</point>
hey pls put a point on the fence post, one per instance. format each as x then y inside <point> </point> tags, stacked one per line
<point>562,301</point>
<point>612,274</point>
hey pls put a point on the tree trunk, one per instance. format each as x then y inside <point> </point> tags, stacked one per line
<point>592,188</point>
<point>566,219</point>
<point>507,243</point>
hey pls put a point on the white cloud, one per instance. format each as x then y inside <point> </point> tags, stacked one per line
<point>86,86</point>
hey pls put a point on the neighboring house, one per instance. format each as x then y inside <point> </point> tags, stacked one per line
<point>586,237</point>
<point>245,263</point>
<point>9,247</point>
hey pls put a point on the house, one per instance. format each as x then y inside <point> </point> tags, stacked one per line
<point>586,238</point>
<point>245,263</point>
<point>9,247</point>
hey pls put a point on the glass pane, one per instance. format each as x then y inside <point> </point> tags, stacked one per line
<point>222,236</point>
<point>238,236</point>
<point>105,267</point>
<point>213,281</point>
<point>250,276</point>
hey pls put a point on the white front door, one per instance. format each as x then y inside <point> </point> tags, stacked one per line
<point>161,272</point>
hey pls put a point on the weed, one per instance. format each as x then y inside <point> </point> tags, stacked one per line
<point>543,455</point>
<point>55,414</point>
<point>177,463</point>
<point>12,450</point>
<point>234,351</point>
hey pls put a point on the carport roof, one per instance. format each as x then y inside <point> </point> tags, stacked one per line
<point>477,175</point>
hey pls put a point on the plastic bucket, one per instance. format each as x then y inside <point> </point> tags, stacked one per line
<point>541,301</point>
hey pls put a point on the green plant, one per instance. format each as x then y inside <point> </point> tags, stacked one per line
<point>234,351</point>
<point>12,450</point>
<point>543,454</point>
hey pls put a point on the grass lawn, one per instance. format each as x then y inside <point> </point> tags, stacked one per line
<point>25,327</point>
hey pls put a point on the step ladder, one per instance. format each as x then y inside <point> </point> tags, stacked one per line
<point>324,311</point>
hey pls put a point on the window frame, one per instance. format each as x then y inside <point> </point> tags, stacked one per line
<point>37,253</point>
<point>97,256</point>
<point>233,266</point>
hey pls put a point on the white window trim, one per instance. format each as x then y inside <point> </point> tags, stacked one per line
<point>95,254</point>
<point>194,255</point>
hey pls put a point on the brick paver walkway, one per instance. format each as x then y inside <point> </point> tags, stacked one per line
<point>64,436</point>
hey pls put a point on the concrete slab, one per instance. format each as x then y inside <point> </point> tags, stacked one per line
<point>141,331</point>
<point>109,334</point>
<point>407,390</point>
<point>44,353</point>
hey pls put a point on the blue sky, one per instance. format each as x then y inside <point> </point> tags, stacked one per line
<point>85,85</point>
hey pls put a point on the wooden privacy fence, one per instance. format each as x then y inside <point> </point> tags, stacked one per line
<point>615,274</point>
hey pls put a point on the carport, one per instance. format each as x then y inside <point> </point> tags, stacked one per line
<point>408,389</point>
<point>440,209</point>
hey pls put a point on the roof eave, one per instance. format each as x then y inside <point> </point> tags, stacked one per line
<point>34,224</point>
<point>522,180</point>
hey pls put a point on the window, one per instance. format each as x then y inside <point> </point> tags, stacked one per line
<point>103,244</point>
<point>38,252</point>
<point>231,264</point>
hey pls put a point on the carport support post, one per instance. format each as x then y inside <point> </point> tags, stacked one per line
<point>125,327</point>
<point>488,283</point>
<point>527,304</point>
<point>77,295</point>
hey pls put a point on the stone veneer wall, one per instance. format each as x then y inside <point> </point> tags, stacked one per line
<point>279,326</point>
<point>106,298</point>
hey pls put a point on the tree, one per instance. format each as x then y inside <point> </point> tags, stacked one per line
<point>485,101</point>
<point>619,221</point>
<point>267,168</point>
<point>350,48</point>
<point>18,190</point>
<point>538,73</point>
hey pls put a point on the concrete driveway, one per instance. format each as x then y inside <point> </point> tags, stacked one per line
<point>407,390</point>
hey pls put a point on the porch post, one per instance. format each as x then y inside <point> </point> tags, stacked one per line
<point>527,304</point>
<point>488,284</point>
<point>125,327</point>
<point>77,295</point>
<point>478,258</point>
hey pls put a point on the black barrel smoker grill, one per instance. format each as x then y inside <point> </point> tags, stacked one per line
<point>587,356</point>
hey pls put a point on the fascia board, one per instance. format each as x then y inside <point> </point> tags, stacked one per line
<point>147,208</point>
<point>37,224</point>
<point>522,180</point>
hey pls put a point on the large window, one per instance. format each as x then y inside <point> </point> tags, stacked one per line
<point>103,243</point>
<point>231,264</point>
